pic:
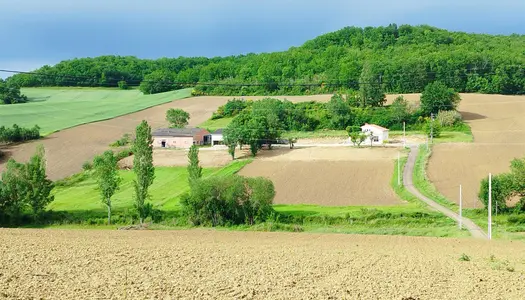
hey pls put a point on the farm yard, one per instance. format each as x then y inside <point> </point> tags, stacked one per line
<point>340,176</point>
<point>498,126</point>
<point>68,264</point>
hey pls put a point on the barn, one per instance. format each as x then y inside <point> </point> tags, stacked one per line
<point>180,137</point>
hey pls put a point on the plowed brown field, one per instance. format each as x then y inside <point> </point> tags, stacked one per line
<point>498,126</point>
<point>336,176</point>
<point>198,264</point>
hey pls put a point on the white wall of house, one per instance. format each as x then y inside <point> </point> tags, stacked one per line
<point>172,142</point>
<point>381,134</point>
<point>217,138</point>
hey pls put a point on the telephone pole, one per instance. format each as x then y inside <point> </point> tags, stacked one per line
<point>432,128</point>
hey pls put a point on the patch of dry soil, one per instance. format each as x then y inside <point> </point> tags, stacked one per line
<point>198,264</point>
<point>338,176</point>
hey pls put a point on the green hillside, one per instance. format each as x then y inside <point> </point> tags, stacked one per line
<point>403,58</point>
<point>54,109</point>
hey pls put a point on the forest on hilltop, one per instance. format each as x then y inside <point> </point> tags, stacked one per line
<point>404,59</point>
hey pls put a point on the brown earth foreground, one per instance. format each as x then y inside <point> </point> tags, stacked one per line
<point>199,264</point>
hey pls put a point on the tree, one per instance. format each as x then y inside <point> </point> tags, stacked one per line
<point>12,192</point>
<point>10,94</point>
<point>432,127</point>
<point>340,112</point>
<point>158,81</point>
<point>143,168</point>
<point>123,85</point>
<point>502,190</point>
<point>437,96</point>
<point>37,186</point>
<point>371,92</point>
<point>194,170</point>
<point>517,170</point>
<point>399,109</point>
<point>108,179</point>
<point>177,118</point>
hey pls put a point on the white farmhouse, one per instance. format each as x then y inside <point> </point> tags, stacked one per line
<point>379,134</point>
<point>217,138</point>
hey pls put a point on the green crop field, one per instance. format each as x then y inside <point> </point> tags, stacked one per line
<point>169,184</point>
<point>55,109</point>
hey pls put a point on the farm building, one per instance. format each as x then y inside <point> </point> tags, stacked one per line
<point>180,137</point>
<point>379,134</point>
<point>217,138</point>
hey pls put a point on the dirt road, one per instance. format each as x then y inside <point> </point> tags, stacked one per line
<point>198,264</point>
<point>408,172</point>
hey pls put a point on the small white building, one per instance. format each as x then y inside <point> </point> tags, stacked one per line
<point>217,138</point>
<point>379,134</point>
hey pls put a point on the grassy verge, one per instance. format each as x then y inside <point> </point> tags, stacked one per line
<point>212,125</point>
<point>423,184</point>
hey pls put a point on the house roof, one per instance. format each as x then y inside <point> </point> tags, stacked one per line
<point>375,126</point>
<point>176,131</point>
<point>218,131</point>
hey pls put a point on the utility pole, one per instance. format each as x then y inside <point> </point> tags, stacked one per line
<point>404,136</point>
<point>398,169</point>
<point>460,208</point>
<point>432,128</point>
<point>489,233</point>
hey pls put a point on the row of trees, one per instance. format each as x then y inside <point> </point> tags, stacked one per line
<point>402,59</point>
<point>506,186</point>
<point>225,200</point>
<point>25,189</point>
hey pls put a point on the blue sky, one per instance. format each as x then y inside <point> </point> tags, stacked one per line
<point>38,32</point>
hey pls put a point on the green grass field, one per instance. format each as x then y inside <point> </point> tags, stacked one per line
<point>55,109</point>
<point>169,184</point>
<point>212,125</point>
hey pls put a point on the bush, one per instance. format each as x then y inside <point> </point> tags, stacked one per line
<point>229,200</point>
<point>449,117</point>
<point>18,134</point>
<point>123,85</point>
<point>123,141</point>
<point>432,127</point>
<point>86,166</point>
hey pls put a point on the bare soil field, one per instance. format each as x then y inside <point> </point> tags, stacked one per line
<point>66,150</point>
<point>498,126</point>
<point>339,176</point>
<point>206,264</point>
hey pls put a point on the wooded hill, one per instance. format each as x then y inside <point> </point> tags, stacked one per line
<point>404,59</point>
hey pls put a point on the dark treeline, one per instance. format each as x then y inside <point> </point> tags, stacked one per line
<point>18,134</point>
<point>403,59</point>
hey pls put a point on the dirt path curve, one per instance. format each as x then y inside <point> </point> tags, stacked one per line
<point>474,229</point>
